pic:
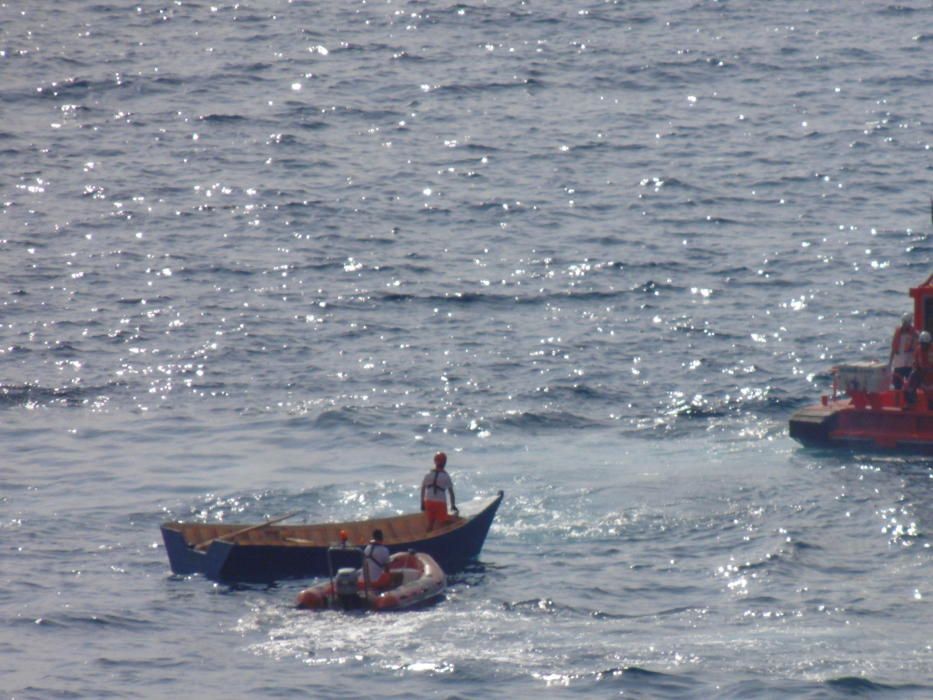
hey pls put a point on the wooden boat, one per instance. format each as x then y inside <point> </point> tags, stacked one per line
<point>864,412</point>
<point>271,551</point>
<point>417,580</point>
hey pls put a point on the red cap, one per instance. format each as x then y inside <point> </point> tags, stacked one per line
<point>440,459</point>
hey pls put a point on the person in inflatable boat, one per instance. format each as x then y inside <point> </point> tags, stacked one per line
<point>903,347</point>
<point>434,489</point>
<point>376,563</point>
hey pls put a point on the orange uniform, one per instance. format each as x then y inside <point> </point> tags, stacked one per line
<point>923,361</point>
<point>903,346</point>
<point>903,349</point>
<point>435,488</point>
<point>922,374</point>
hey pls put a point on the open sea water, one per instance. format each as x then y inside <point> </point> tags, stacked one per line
<point>263,257</point>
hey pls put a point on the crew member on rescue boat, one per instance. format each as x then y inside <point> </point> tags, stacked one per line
<point>922,374</point>
<point>434,489</point>
<point>903,349</point>
<point>376,563</point>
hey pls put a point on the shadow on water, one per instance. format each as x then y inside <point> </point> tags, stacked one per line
<point>475,574</point>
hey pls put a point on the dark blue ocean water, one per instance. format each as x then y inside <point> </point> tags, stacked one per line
<point>264,257</point>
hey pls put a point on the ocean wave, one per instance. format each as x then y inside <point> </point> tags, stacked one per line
<point>855,686</point>
<point>639,681</point>
<point>219,118</point>
<point>461,298</point>
<point>459,89</point>
<point>18,395</point>
<point>535,421</point>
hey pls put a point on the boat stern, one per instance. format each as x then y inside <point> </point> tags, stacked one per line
<point>813,425</point>
<point>186,560</point>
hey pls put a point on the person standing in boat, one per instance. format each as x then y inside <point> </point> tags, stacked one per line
<point>922,374</point>
<point>434,489</point>
<point>903,349</point>
<point>376,562</point>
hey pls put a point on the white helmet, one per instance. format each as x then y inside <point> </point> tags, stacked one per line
<point>907,318</point>
<point>925,337</point>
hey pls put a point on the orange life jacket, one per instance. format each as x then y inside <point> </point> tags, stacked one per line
<point>904,346</point>
<point>923,360</point>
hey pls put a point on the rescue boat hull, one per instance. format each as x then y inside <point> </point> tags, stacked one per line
<point>881,411</point>
<point>854,425</point>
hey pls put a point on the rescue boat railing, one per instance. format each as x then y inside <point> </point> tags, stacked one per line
<point>864,383</point>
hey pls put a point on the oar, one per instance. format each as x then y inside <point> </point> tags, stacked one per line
<point>299,540</point>
<point>203,545</point>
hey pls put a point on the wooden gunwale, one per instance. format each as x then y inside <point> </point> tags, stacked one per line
<point>396,529</point>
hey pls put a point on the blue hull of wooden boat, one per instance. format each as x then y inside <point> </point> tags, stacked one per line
<point>248,563</point>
